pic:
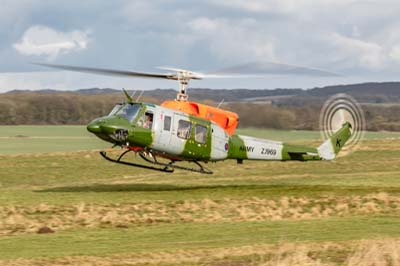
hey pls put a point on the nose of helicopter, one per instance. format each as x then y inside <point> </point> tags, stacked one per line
<point>94,126</point>
<point>109,129</point>
<point>102,126</point>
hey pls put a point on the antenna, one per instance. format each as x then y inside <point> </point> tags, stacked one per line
<point>220,103</point>
<point>133,94</point>
<point>140,95</point>
<point>129,98</point>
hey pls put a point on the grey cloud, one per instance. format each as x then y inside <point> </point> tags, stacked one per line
<point>355,37</point>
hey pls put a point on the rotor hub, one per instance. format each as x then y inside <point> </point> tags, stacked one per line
<point>183,77</point>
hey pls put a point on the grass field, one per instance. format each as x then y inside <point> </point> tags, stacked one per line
<point>344,212</point>
<point>46,139</point>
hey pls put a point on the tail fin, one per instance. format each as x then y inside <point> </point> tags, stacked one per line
<point>331,147</point>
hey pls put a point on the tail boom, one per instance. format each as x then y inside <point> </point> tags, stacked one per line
<point>250,148</point>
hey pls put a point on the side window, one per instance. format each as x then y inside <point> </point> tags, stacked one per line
<point>167,123</point>
<point>200,134</point>
<point>184,128</point>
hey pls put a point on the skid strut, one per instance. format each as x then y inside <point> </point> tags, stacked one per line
<point>104,154</point>
<point>171,164</point>
<point>165,167</point>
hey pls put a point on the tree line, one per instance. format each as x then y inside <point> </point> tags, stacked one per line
<point>74,108</point>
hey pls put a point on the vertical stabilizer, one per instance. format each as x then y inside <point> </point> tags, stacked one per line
<point>331,147</point>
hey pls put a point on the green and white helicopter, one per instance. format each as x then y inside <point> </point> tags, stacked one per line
<point>179,130</point>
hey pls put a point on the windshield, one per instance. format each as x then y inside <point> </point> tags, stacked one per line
<point>115,109</point>
<point>129,111</point>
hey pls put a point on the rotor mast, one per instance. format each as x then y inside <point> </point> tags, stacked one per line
<point>182,95</point>
<point>183,77</point>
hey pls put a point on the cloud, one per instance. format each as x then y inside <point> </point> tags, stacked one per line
<point>361,53</point>
<point>64,80</point>
<point>284,7</point>
<point>44,41</point>
<point>353,37</point>
<point>395,53</point>
<point>234,41</point>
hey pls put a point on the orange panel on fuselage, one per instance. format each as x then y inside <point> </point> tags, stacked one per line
<point>225,119</point>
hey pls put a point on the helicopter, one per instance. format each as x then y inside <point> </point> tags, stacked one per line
<point>180,130</point>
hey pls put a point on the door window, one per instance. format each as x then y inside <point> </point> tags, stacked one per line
<point>167,123</point>
<point>184,128</point>
<point>200,134</point>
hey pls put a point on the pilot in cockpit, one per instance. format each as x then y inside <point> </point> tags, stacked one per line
<point>148,122</point>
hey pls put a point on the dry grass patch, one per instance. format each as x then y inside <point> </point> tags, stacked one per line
<point>23,219</point>
<point>356,253</point>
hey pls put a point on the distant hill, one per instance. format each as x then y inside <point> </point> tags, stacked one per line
<point>371,88</point>
<point>384,92</point>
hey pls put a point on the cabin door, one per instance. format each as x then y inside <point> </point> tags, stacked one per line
<point>165,129</point>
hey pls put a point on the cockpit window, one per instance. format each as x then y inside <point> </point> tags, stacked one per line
<point>115,109</point>
<point>129,111</point>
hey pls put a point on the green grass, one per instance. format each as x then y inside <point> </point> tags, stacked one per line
<point>43,131</point>
<point>195,236</point>
<point>71,178</point>
<point>66,178</point>
<point>48,139</point>
<point>86,176</point>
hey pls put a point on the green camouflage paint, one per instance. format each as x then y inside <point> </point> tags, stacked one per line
<point>299,153</point>
<point>237,148</point>
<point>194,149</point>
<point>139,136</point>
<point>341,137</point>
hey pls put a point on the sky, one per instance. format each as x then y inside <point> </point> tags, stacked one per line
<point>358,39</point>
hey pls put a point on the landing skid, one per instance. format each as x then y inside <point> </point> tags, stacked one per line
<point>165,167</point>
<point>104,155</point>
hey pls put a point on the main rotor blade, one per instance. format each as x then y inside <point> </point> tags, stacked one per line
<point>260,69</point>
<point>249,70</point>
<point>110,72</point>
